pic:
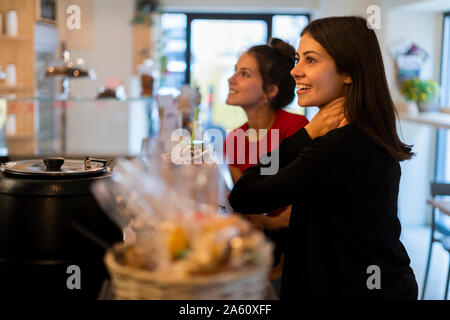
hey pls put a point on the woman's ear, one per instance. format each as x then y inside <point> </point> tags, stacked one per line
<point>272,91</point>
<point>347,82</point>
<point>347,79</point>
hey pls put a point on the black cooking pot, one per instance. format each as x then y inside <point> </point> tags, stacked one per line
<point>49,220</point>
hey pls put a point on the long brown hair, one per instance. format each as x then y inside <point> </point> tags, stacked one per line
<point>356,52</point>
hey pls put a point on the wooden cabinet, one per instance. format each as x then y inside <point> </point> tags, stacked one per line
<point>19,50</point>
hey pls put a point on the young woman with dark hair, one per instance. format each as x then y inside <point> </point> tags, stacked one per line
<point>340,172</point>
<point>262,86</point>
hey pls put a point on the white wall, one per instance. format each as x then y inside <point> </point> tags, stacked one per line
<point>110,49</point>
<point>342,8</point>
<point>425,29</point>
<point>106,128</point>
<point>105,42</point>
<point>416,173</point>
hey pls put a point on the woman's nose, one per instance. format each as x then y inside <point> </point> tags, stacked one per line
<point>297,71</point>
<point>232,79</point>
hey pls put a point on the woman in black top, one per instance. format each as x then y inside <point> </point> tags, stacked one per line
<point>341,173</point>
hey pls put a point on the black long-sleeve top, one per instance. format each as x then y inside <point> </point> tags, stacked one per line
<point>343,188</point>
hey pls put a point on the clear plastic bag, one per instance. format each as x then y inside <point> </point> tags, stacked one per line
<point>170,215</point>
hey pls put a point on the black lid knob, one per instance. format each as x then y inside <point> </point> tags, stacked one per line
<point>53,163</point>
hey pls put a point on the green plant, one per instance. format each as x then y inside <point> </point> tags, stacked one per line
<point>143,11</point>
<point>420,91</point>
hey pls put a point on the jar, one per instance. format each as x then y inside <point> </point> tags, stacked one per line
<point>11,74</point>
<point>12,23</point>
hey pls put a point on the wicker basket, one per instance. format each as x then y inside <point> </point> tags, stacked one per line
<point>136,284</point>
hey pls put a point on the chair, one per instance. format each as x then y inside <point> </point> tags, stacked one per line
<point>439,231</point>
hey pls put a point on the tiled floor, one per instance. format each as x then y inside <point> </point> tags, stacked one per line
<point>416,240</point>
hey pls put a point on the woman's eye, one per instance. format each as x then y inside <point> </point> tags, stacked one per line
<point>296,60</point>
<point>244,74</point>
<point>310,60</point>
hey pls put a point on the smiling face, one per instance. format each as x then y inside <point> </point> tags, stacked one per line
<point>246,84</point>
<point>315,74</point>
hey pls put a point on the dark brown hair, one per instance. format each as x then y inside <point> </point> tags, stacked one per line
<point>354,48</point>
<point>275,61</point>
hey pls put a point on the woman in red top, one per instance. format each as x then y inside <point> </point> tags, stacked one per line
<point>262,86</point>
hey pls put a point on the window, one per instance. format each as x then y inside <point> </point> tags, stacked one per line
<point>442,171</point>
<point>202,49</point>
<point>173,49</point>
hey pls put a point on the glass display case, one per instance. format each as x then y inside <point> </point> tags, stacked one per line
<point>76,126</point>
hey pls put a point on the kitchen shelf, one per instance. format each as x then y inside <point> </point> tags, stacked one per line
<point>16,38</point>
<point>17,87</point>
<point>20,136</point>
<point>47,21</point>
<point>78,99</point>
<point>20,51</point>
<point>436,119</point>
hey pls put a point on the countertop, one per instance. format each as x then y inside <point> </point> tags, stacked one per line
<point>436,119</point>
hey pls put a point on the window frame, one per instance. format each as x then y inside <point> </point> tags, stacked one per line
<point>440,166</point>
<point>190,16</point>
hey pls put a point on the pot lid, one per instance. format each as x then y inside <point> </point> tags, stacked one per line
<point>57,167</point>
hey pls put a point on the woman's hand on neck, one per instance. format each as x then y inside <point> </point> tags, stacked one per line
<point>331,116</point>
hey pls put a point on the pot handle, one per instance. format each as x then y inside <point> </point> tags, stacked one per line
<point>54,163</point>
<point>88,160</point>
